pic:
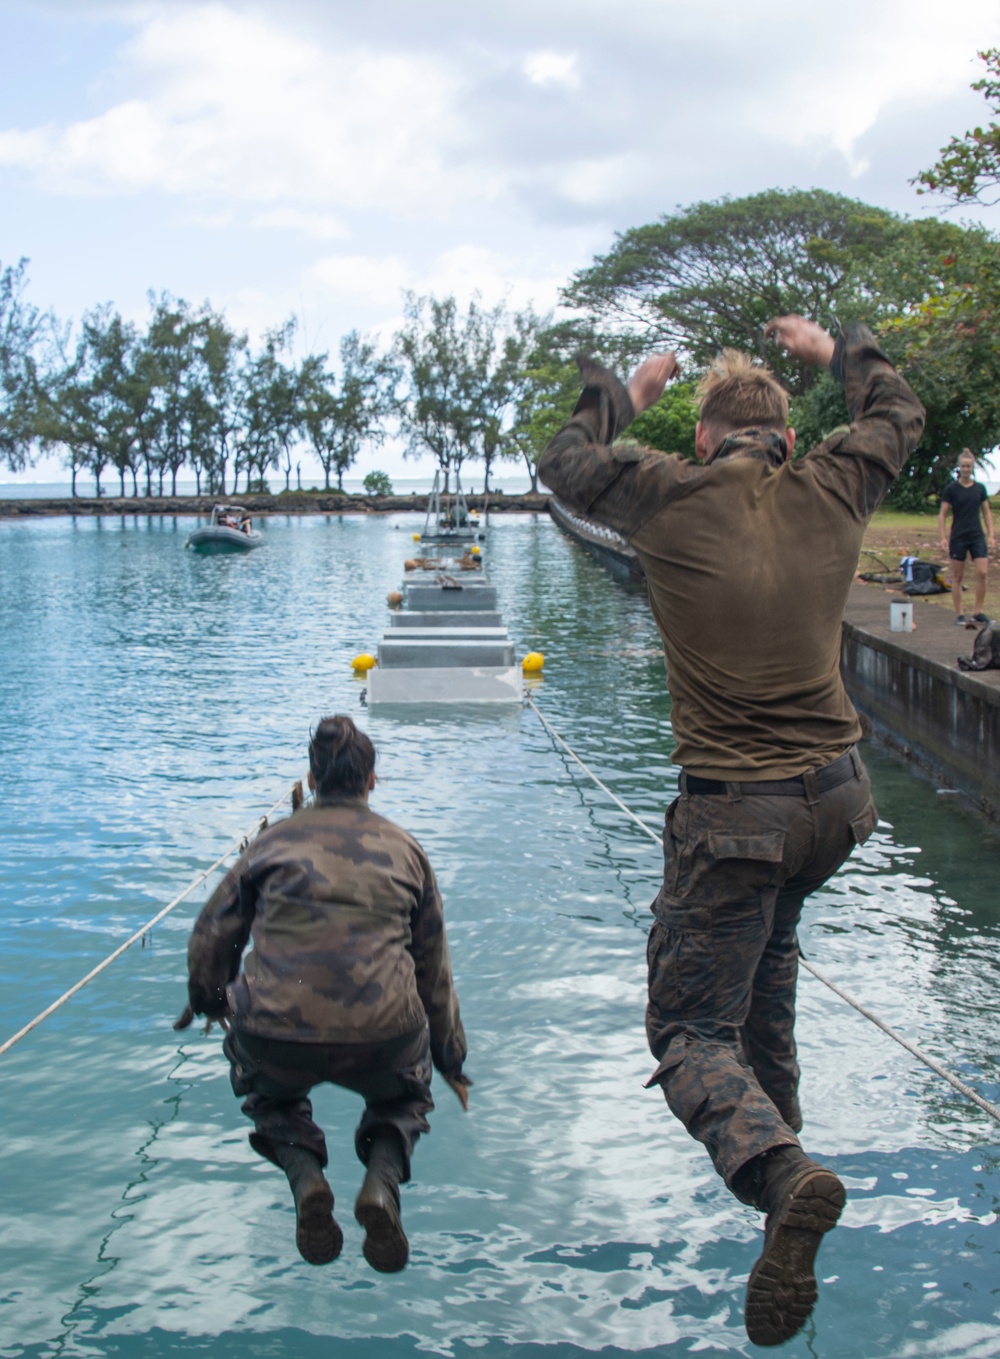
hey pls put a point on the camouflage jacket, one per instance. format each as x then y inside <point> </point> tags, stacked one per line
<point>348,934</point>
<point>748,560</point>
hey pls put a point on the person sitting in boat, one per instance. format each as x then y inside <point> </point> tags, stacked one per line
<point>246,524</point>
<point>225,520</point>
<point>348,980</point>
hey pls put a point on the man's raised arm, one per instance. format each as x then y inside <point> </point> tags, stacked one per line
<point>581,467</point>
<point>886,417</point>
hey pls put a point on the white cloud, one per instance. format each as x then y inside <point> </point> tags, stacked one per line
<point>376,281</point>
<point>601,179</point>
<point>236,107</point>
<point>314,119</point>
<point>319,226</point>
<point>908,54</point>
<point>552,68</point>
<point>462,271</point>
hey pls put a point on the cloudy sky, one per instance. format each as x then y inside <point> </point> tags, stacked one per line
<point>315,157</point>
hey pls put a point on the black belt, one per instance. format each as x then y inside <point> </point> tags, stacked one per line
<point>847,766</point>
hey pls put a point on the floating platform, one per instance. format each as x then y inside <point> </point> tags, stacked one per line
<point>465,595</point>
<point>451,618</point>
<point>449,645</point>
<point>444,651</point>
<point>461,535</point>
<point>448,684</point>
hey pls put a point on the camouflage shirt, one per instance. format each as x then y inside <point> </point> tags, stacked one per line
<point>348,934</point>
<point>748,560</point>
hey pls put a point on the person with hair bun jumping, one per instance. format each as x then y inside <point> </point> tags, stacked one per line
<point>348,980</point>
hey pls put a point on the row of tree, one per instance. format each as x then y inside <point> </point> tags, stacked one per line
<point>184,392</point>
<point>489,383</point>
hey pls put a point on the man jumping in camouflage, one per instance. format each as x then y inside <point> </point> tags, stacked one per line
<point>748,559</point>
<point>348,981</point>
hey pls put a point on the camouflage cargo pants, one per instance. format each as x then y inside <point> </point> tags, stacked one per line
<point>393,1078</point>
<point>723,954</point>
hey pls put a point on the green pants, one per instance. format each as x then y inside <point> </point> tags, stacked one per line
<point>723,955</point>
<point>276,1077</point>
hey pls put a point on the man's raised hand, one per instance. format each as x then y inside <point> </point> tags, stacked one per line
<point>803,339</point>
<point>646,384</point>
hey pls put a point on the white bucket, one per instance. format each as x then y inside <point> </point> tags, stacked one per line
<point>901,616</point>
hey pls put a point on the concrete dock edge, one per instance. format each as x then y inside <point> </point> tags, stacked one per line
<point>918,702</point>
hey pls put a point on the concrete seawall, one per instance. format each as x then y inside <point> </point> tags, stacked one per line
<point>908,686</point>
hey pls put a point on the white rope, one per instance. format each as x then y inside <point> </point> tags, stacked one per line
<point>589,772</point>
<point>67,995</point>
<point>932,1063</point>
<point>911,1048</point>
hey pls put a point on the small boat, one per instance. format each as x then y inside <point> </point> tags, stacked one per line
<point>230,530</point>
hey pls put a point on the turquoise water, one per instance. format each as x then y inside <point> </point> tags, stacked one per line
<point>153,703</point>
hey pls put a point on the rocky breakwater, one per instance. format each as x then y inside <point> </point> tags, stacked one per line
<point>291,502</point>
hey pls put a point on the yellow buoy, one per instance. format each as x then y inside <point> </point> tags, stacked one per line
<point>363,663</point>
<point>475,551</point>
<point>532,663</point>
<point>416,537</point>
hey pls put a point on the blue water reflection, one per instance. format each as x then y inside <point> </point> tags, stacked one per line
<point>152,703</point>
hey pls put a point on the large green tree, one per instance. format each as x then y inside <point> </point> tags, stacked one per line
<point>21,326</point>
<point>116,392</point>
<point>170,341</point>
<point>712,275</point>
<point>339,422</point>
<point>460,379</point>
<point>64,416</point>
<point>270,410</point>
<point>442,358</point>
<point>547,386</point>
<point>968,169</point>
<point>214,405</point>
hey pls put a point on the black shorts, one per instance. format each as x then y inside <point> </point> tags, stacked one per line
<point>968,545</point>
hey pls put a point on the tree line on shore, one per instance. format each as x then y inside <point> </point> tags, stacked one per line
<point>488,384</point>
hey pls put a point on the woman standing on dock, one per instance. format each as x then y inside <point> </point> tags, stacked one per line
<point>967,499</point>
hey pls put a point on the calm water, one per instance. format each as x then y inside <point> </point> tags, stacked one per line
<point>152,703</point>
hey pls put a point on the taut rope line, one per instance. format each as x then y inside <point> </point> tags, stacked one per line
<point>954,1081</point>
<point>56,1004</point>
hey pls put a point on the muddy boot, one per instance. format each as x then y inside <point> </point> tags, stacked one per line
<point>802,1201</point>
<point>317,1233</point>
<point>377,1209</point>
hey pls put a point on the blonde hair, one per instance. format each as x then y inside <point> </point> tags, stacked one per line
<point>736,392</point>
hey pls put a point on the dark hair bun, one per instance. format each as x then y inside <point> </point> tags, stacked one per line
<point>341,757</point>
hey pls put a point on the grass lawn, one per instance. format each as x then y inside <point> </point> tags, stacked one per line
<point>892,535</point>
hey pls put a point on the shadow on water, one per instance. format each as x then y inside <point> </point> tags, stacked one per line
<point>86,1318</point>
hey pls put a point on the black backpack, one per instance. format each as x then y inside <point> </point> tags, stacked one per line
<point>924,579</point>
<point>985,650</point>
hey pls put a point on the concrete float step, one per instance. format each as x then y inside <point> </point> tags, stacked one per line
<point>446,684</point>
<point>465,596</point>
<point>449,618</point>
<point>437,652</point>
<point>446,630</point>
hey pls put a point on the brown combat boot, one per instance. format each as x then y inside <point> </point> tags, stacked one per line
<point>803,1201</point>
<point>377,1209</point>
<point>317,1232</point>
